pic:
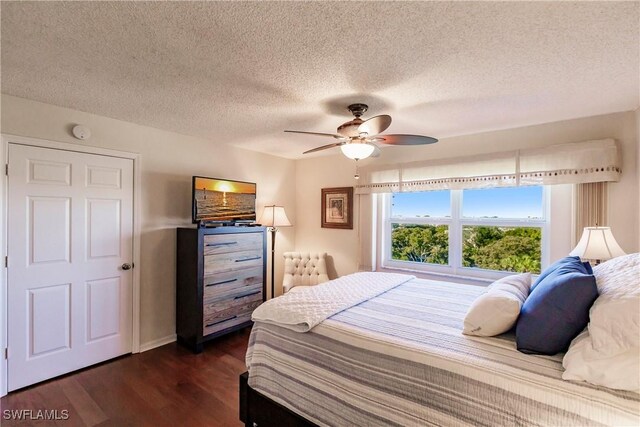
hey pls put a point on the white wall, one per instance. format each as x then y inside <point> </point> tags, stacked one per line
<point>337,171</point>
<point>168,162</point>
<point>638,167</point>
<point>341,245</point>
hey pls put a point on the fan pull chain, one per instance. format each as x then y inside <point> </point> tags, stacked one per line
<point>356,176</point>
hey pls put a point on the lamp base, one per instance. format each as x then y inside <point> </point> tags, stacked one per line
<point>273,230</point>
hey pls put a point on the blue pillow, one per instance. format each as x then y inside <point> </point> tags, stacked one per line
<point>557,310</point>
<point>572,261</point>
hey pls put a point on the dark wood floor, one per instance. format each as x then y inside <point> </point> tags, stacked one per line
<point>166,386</point>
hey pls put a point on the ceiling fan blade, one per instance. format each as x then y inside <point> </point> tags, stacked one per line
<point>374,139</point>
<point>324,147</point>
<point>333,135</point>
<point>400,139</point>
<point>376,152</point>
<point>375,125</point>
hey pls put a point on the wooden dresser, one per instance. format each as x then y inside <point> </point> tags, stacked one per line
<point>220,280</point>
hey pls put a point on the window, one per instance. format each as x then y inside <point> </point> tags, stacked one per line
<point>424,236</point>
<point>468,232</point>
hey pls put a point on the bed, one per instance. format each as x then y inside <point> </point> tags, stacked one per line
<point>399,359</point>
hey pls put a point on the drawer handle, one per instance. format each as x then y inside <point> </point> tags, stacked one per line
<point>222,244</point>
<point>247,295</point>
<point>222,283</point>
<point>219,321</point>
<point>248,259</point>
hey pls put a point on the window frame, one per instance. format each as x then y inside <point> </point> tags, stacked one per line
<point>456,223</point>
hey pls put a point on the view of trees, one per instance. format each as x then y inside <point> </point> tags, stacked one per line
<point>420,243</point>
<point>514,249</point>
<point>502,248</point>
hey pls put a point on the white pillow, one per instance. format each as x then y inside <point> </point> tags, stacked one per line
<point>614,318</point>
<point>614,324</point>
<point>583,363</point>
<point>497,310</point>
<point>619,277</point>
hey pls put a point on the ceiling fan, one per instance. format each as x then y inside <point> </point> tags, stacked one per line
<point>358,138</point>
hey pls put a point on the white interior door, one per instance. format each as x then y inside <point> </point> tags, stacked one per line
<point>70,234</point>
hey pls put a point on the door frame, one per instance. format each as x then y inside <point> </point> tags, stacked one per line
<point>5,140</point>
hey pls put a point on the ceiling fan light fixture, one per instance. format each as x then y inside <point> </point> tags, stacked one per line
<point>357,150</point>
<point>358,137</point>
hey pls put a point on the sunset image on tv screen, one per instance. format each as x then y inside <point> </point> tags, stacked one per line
<point>222,200</point>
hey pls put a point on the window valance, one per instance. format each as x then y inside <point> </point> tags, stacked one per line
<point>572,163</point>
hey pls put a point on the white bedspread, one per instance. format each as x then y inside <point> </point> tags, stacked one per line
<point>305,308</point>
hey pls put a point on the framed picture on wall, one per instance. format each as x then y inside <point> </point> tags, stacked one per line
<point>337,207</point>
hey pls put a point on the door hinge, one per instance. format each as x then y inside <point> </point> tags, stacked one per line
<point>6,169</point>
<point>6,262</point>
<point>6,353</point>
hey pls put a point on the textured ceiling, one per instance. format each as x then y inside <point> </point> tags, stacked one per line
<point>241,72</point>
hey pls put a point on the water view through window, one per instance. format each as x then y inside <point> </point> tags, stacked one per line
<point>428,204</point>
<point>510,202</point>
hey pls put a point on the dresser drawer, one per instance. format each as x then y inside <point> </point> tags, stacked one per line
<point>225,314</point>
<point>224,324</point>
<point>233,293</point>
<point>230,306</point>
<point>232,261</point>
<point>225,243</point>
<point>220,284</point>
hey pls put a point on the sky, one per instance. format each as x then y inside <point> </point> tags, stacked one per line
<point>512,202</point>
<point>221,185</point>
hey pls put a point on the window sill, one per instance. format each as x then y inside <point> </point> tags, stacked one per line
<point>449,277</point>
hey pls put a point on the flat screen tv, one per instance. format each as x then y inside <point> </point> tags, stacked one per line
<point>223,200</point>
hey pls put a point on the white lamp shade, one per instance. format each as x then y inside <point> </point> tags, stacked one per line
<point>274,216</point>
<point>357,150</point>
<point>597,243</point>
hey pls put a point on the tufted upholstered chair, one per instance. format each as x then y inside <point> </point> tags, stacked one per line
<point>304,269</point>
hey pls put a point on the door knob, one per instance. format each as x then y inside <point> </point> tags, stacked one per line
<point>126,266</point>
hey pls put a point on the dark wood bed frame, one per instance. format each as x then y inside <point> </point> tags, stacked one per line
<point>257,410</point>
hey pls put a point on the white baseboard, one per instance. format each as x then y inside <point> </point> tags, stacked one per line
<point>157,343</point>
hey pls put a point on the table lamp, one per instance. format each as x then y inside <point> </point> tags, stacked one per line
<point>597,243</point>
